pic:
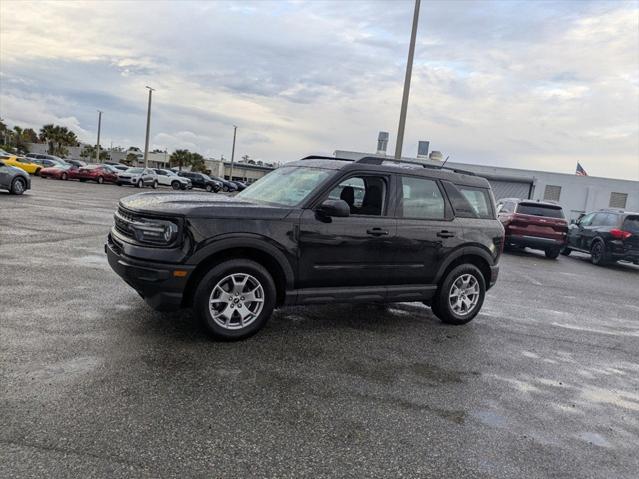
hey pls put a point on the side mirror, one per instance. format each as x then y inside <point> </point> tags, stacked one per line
<point>334,208</point>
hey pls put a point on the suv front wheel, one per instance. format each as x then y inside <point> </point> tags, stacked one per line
<point>460,296</point>
<point>235,299</point>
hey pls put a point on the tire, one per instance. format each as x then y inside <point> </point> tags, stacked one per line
<point>175,185</point>
<point>565,251</point>
<point>441,304</point>
<point>140,184</point>
<point>598,253</point>
<point>64,176</point>
<point>225,188</point>
<point>82,180</point>
<point>154,185</point>
<point>208,188</point>
<point>18,186</point>
<point>552,253</point>
<point>218,283</point>
<point>100,180</point>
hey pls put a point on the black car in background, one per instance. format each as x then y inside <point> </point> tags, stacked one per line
<point>240,185</point>
<point>303,236</point>
<point>607,235</point>
<point>200,180</point>
<point>227,185</point>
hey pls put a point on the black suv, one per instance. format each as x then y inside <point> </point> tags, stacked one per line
<point>318,230</point>
<point>200,180</point>
<point>608,235</point>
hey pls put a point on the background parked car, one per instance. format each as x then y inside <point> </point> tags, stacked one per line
<point>76,163</point>
<point>608,235</point>
<point>118,167</point>
<point>14,179</point>
<point>172,179</point>
<point>240,185</point>
<point>47,163</point>
<point>138,177</point>
<point>59,172</point>
<point>534,224</point>
<point>200,180</point>
<point>97,173</point>
<point>42,156</point>
<point>226,184</point>
<point>23,163</point>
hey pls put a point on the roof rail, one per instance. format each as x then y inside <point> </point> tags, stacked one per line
<point>376,160</point>
<point>316,157</point>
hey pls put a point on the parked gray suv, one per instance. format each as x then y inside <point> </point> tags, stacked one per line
<point>14,179</point>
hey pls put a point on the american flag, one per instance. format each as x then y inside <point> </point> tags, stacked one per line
<point>580,170</point>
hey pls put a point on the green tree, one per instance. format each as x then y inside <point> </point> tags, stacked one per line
<point>58,137</point>
<point>131,159</point>
<point>30,136</point>
<point>197,162</point>
<point>89,152</point>
<point>180,158</point>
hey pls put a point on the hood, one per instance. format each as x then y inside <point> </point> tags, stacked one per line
<point>15,169</point>
<point>202,205</point>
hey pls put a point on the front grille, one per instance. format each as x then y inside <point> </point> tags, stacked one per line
<point>122,220</point>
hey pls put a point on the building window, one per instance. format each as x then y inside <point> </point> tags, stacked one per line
<point>618,200</point>
<point>552,193</point>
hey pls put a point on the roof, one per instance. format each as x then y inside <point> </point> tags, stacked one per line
<point>377,164</point>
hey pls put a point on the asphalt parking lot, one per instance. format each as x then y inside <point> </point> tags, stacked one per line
<point>543,383</point>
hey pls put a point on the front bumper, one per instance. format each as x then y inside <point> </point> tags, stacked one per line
<point>155,282</point>
<point>127,181</point>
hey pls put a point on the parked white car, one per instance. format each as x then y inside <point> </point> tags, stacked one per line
<point>170,178</point>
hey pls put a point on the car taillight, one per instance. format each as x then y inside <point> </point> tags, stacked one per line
<point>620,234</point>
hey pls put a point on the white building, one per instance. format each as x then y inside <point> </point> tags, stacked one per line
<point>576,194</point>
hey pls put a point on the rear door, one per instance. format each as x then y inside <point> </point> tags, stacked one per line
<point>426,229</point>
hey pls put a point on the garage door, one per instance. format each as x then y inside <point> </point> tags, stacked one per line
<point>510,189</point>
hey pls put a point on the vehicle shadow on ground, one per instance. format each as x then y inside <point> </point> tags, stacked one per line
<point>617,266</point>
<point>388,319</point>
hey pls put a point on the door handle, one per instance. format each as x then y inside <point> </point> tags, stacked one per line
<point>445,234</point>
<point>377,232</point>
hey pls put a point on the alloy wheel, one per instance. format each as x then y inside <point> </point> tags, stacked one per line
<point>18,186</point>
<point>463,295</point>
<point>236,301</point>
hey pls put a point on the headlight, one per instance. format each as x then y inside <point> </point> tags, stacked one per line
<point>146,230</point>
<point>154,231</point>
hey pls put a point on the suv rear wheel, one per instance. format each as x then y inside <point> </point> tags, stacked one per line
<point>235,299</point>
<point>598,253</point>
<point>552,253</point>
<point>460,296</point>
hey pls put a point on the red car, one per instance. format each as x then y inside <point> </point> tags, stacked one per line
<point>97,173</point>
<point>60,172</point>
<point>534,224</point>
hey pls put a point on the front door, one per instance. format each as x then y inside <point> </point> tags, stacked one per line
<point>354,251</point>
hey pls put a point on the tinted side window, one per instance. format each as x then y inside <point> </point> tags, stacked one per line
<point>469,201</point>
<point>421,198</point>
<point>599,220</point>
<point>631,223</point>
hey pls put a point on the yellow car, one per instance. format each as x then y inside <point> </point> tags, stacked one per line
<point>22,163</point>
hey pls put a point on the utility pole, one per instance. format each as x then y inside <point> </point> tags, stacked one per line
<point>97,151</point>
<point>233,152</point>
<point>409,72</point>
<point>148,129</point>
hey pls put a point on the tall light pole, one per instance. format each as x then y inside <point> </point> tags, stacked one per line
<point>148,129</point>
<point>409,72</point>
<point>233,152</point>
<point>97,151</point>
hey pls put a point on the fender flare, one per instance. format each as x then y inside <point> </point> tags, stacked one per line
<point>474,250</point>
<point>256,242</point>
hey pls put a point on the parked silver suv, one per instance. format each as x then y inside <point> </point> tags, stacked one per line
<point>138,177</point>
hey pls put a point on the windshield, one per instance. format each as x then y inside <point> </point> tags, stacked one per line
<point>287,186</point>
<point>135,170</point>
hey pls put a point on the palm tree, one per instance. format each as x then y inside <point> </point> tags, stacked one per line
<point>47,134</point>
<point>89,152</point>
<point>58,138</point>
<point>197,162</point>
<point>180,158</point>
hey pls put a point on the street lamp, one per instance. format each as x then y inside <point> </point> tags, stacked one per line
<point>409,72</point>
<point>148,129</point>
<point>233,152</point>
<point>97,152</point>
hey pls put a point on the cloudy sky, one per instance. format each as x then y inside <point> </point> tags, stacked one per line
<point>521,84</point>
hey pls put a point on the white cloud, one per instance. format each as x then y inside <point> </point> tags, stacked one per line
<point>499,83</point>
